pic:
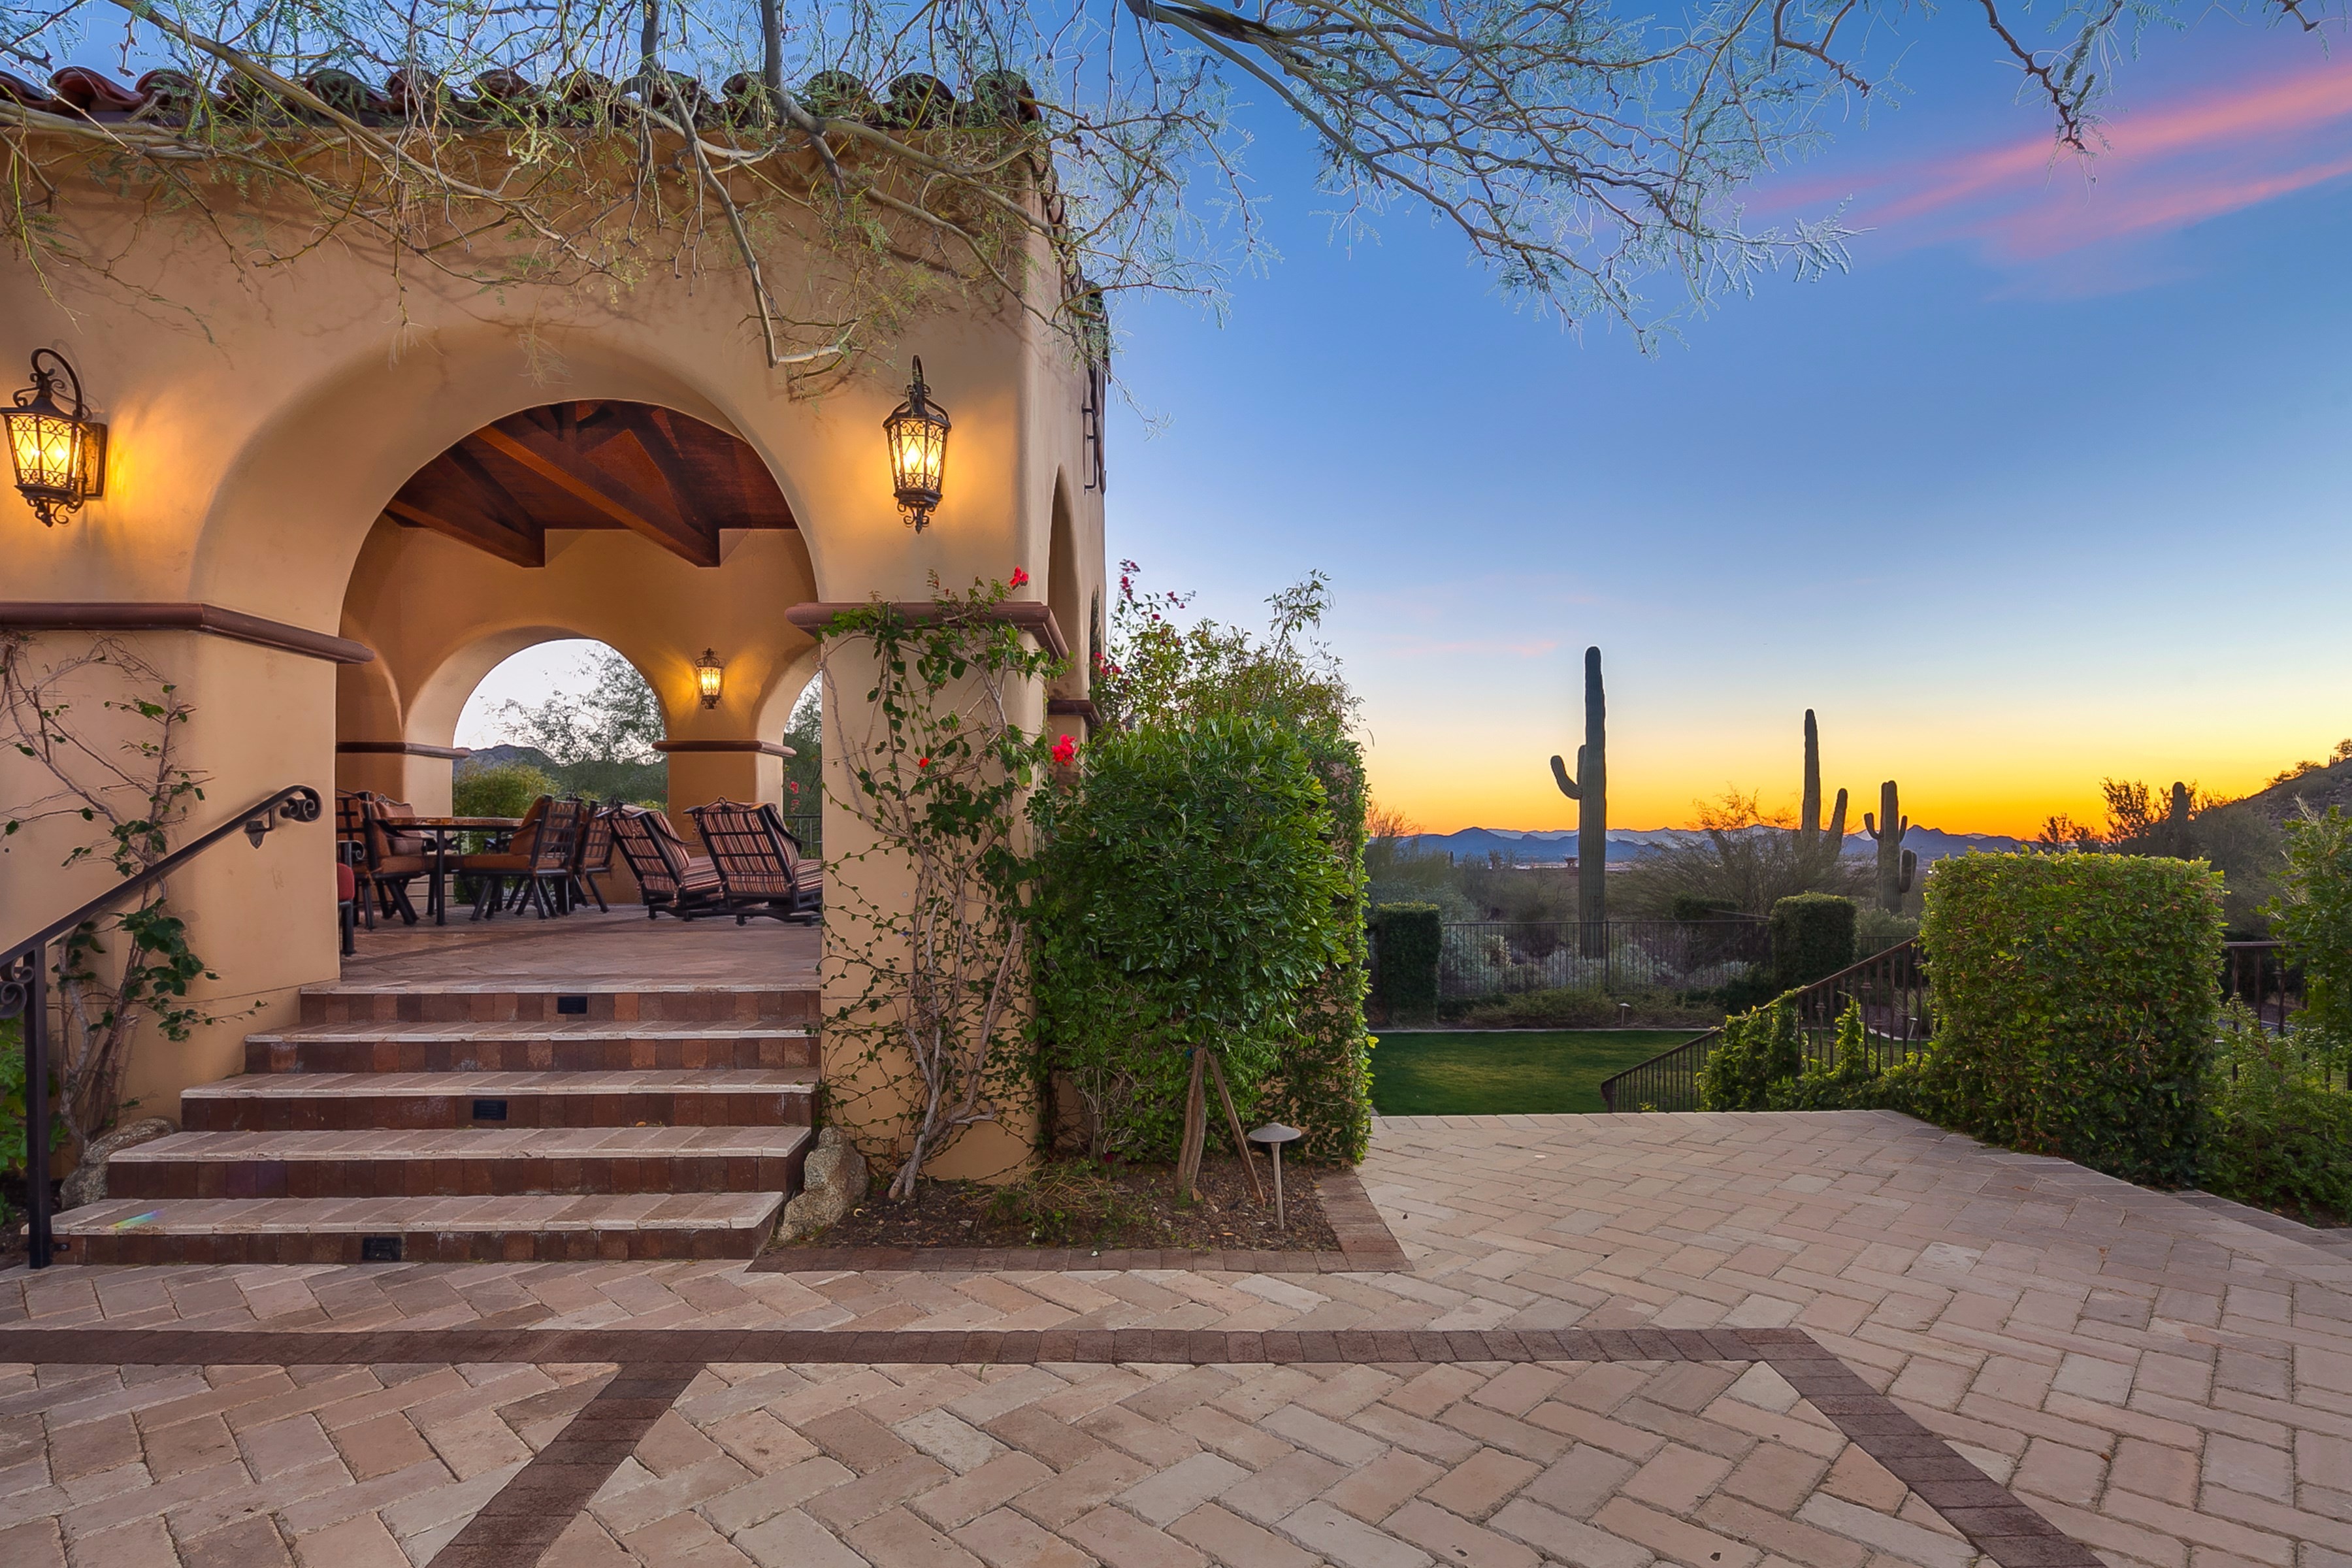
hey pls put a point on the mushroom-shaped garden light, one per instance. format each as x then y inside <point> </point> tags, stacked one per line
<point>1273,1135</point>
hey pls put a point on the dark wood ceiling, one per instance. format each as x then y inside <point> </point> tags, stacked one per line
<point>652,471</point>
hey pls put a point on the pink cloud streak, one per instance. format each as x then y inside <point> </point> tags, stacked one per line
<point>2165,167</point>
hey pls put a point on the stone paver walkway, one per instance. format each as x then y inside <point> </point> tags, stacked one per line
<point>2163,1383</point>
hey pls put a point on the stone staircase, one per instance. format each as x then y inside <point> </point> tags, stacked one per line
<point>412,1121</point>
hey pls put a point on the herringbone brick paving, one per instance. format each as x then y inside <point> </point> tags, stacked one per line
<point>2166,1383</point>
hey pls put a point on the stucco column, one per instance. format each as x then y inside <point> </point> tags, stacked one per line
<point>706,770</point>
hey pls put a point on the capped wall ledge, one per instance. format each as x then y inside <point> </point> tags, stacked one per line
<point>1031,615</point>
<point>765,748</point>
<point>150,615</point>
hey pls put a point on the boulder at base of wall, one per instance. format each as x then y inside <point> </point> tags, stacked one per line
<point>87,1183</point>
<point>832,1183</point>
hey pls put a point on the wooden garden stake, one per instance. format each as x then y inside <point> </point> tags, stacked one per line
<point>1234,1123</point>
<point>1196,1131</point>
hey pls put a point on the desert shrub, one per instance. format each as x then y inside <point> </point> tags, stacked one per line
<point>1405,981</point>
<point>2282,1133</point>
<point>1689,907</point>
<point>2313,915</point>
<point>1876,930</point>
<point>1756,1053</point>
<point>1849,1083</point>
<point>1812,936</point>
<point>2074,1002</point>
<point>1189,899</point>
<point>503,789</point>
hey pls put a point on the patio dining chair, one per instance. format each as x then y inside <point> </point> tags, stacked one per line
<point>388,858</point>
<point>538,859</point>
<point>669,878</point>
<point>593,858</point>
<point>760,869</point>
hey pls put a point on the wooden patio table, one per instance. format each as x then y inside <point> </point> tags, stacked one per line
<point>443,828</point>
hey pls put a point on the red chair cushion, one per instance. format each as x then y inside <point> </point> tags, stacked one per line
<point>346,886</point>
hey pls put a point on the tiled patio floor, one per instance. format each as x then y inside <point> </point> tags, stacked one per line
<point>2166,1383</point>
<point>587,945</point>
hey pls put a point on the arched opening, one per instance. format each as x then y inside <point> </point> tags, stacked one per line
<point>570,716</point>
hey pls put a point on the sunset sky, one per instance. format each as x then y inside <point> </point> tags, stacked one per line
<point>2057,483</point>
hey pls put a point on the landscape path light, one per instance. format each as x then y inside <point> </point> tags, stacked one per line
<point>58,452</point>
<point>1273,1135</point>
<point>917,432</point>
<point>709,676</point>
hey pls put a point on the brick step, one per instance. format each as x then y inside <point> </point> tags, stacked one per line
<point>467,1162</point>
<point>598,1001</point>
<point>318,1102</point>
<point>554,1228</point>
<point>566,1046</point>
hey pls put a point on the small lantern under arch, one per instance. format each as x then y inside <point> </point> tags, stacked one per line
<point>917,432</point>
<point>709,676</point>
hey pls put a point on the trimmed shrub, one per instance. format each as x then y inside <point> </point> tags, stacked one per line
<point>1813,937</point>
<point>2282,1133</point>
<point>2074,1006</point>
<point>1404,981</point>
<point>1192,897</point>
<point>1755,1056</point>
<point>506,789</point>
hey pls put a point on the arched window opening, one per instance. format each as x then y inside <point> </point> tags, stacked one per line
<point>571,717</point>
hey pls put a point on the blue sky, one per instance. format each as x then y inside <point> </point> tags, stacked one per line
<point>2056,483</point>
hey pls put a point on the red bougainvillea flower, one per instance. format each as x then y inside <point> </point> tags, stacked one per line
<point>922,761</point>
<point>1064,751</point>
<point>1020,578</point>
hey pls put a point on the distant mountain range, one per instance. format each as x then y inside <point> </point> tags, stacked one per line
<point>1553,847</point>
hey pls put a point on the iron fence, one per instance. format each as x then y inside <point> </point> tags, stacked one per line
<point>1506,958</point>
<point>810,830</point>
<point>1890,987</point>
<point>2259,974</point>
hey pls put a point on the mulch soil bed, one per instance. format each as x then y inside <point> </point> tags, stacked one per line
<point>1116,1207</point>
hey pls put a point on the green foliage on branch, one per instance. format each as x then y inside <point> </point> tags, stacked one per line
<point>502,789</point>
<point>1852,1081</point>
<point>2313,915</point>
<point>2076,998</point>
<point>2282,1130</point>
<point>1190,900</point>
<point>1756,1054</point>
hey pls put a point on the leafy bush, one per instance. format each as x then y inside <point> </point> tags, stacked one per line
<point>1876,930</point>
<point>1851,1083</point>
<point>2313,915</point>
<point>2282,1134</point>
<point>1189,899</point>
<point>504,789</point>
<point>1813,937</point>
<point>2074,1002</point>
<point>1581,1007</point>
<point>1411,936</point>
<point>1756,1056</point>
<point>1689,907</point>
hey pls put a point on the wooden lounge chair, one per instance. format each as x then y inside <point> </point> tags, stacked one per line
<point>593,858</point>
<point>537,858</point>
<point>760,869</point>
<point>668,879</point>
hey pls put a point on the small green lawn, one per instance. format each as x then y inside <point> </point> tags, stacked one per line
<point>1448,1073</point>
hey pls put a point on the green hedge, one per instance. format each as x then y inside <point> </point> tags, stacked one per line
<point>1813,937</point>
<point>1404,983</point>
<point>1193,896</point>
<point>2076,1000</point>
<point>1756,1054</point>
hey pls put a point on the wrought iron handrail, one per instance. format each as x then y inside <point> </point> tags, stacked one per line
<point>1890,984</point>
<point>24,985</point>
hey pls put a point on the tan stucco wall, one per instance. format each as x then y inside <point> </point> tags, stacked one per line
<point>260,422</point>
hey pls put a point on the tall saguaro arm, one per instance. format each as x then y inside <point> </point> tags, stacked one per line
<point>1896,865</point>
<point>1589,789</point>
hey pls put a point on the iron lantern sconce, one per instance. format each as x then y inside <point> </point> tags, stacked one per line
<point>59,452</point>
<point>709,678</point>
<point>917,432</point>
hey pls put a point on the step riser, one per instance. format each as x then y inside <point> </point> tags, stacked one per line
<point>423,1113</point>
<point>615,1055</point>
<point>455,1177</point>
<point>422,1247</point>
<point>796,1008</point>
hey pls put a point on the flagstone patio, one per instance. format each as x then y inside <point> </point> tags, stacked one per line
<point>2154,1376</point>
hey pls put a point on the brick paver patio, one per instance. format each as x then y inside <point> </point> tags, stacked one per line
<point>2156,1378</point>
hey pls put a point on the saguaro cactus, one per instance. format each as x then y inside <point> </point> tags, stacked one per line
<point>2177,822</point>
<point>1895,864</point>
<point>1811,847</point>
<point>1589,789</point>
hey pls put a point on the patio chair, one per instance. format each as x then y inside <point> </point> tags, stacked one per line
<point>668,876</point>
<point>760,868</point>
<point>347,893</point>
<point>595,855</point>
<point>389,859</point>
<point>537,858</point>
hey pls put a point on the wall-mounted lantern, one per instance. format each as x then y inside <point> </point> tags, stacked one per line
<point>59,452</point>
<point>917,432</point>
<point>709,676</point>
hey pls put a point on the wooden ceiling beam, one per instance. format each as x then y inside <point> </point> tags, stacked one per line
<point>517,549</point>
<point>551,461</point>
<point>675,472</point>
